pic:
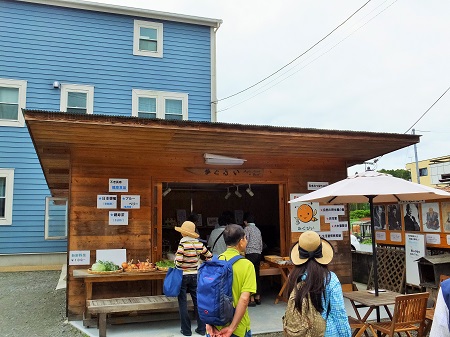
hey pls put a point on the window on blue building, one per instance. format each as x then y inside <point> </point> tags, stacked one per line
<point>173,109</point>
<point>148,38</point>
<point>12,100</point>
<point>159,104</point>
<point>147,107</point>
<point>77,98</point>
<point>55,218</point>
<point>6,195</point>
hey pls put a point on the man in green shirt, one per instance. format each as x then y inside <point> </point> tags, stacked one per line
<point>244,284</point>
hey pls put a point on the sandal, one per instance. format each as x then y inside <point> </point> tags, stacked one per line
<point>252,304</point>
<point>258,301</point>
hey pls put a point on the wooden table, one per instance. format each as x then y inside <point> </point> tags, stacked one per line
<point>369,300</point>
<point>90,279</point>
<point>284,271</point>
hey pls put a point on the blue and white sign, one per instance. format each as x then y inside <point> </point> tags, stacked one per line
<point>130,201</point>
<point>118,185</point>
<point>79,257</point>
<point>106,201</point>
<point>119,218</point>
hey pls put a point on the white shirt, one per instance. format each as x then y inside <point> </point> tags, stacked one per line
<point>439,328</point>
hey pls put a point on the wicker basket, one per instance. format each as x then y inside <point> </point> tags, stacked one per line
<point>90,271</point>
<point>162,268</point>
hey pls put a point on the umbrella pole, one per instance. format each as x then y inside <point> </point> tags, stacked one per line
<point>374,252</point>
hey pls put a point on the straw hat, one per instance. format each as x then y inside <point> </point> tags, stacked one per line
<point>310,245</point>
<point>187,229</point>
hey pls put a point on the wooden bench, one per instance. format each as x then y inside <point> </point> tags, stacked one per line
<point>103,307</point>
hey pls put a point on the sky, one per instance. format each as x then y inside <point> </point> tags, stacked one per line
<point>380,71</point>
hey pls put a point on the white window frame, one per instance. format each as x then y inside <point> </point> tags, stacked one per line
<point>87,89</point>
<point>136,35</point>
<point>22,86</point>
<point>161,97</point>
<point>47,217</point>
<point>9,175</point>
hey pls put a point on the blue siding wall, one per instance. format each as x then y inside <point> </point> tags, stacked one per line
<point>26,234</point>
<point>42,44</point>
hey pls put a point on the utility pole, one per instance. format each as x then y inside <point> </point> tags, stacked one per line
<point>417,161</point>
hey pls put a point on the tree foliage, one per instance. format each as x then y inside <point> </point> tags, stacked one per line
<point>399,173</point>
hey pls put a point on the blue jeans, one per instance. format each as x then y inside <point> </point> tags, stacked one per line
<point>189,285</point>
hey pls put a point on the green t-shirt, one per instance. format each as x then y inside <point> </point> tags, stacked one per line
<point>244,279</point>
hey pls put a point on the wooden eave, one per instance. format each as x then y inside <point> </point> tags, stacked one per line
<point>56,134</point>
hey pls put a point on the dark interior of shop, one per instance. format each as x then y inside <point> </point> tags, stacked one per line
<point>209,201</point>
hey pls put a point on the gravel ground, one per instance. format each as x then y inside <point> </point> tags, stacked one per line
<point>30,306</point>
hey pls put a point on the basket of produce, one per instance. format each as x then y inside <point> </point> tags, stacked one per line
<point>164,265</point>
<point>104,268</point>
<point>139,267</point>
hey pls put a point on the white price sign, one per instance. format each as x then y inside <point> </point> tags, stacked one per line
<point>130,201</point>
<point>118,218</point>
<point>106,201</point>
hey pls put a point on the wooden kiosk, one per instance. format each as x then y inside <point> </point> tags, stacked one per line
<point>80,154</point>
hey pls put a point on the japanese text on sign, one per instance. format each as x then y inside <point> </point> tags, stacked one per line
<point>107,201</point>
<point>118,185</point>
<point>79,257</point>
<point>331,235</point>
<point>118,218</point>
<point>130,201</point>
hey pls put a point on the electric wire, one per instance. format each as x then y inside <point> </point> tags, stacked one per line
<point>432,105</point>
<point>307,64</point>
<point>295,59</point>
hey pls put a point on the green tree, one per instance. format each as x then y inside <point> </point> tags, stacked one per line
<point>399,173</point>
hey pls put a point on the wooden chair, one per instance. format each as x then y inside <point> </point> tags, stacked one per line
<point>359,327</point>
<point>430,311</point>
<point>409,315</point>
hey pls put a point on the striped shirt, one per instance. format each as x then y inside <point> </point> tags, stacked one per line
<point>188,254</point>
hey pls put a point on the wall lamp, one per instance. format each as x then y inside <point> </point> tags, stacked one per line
<point>249,191</point>
<point>56,84</point>
<point>237,192</point>
<point>167,191</point>
<point>228,193</point>
<point>215,159</point>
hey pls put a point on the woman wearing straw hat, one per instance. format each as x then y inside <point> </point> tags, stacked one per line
<point>311,256</point>
<point>187,259</point>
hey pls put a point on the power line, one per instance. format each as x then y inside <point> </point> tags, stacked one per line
<point>428,110</point>
<point>307,64</point>
<point>295,59</point>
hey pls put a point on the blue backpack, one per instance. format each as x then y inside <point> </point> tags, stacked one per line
<point>214,296</point>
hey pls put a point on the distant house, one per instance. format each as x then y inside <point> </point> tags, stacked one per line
<point>86,58</point>
<point>433,172</point>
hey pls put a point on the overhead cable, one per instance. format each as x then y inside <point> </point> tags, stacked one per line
<point>428,110</point>
<point>295,59</point>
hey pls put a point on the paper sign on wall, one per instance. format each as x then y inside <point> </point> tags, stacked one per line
<point>130,201</point>
<point>337,236</point>
<point>106,201</point>
<point>380,236</point>
<point>79,257</point>
<point>339,226</point>
<point>118,185</point>
<point>414,250</point>
<point>315,185</point>
<point>305,216</point>
<point>118,218</point>
<point>117,256</point>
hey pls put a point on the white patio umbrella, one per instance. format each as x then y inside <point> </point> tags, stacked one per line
<point>372,187</point>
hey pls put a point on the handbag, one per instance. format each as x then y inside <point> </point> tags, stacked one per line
<point>172,282</point>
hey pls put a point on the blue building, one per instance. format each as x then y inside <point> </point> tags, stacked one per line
<point>87,58</point>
